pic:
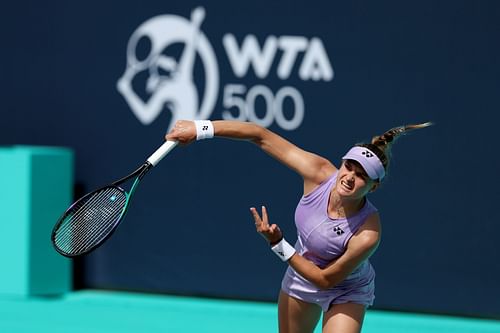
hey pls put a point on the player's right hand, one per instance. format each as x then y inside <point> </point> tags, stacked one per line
<point>184,131</point>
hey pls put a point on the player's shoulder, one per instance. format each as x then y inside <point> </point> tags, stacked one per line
<point>369,233</point>
<point>322,169</point>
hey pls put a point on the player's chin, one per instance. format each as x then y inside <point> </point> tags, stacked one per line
<point>345,192</point>
<point>351,194</point>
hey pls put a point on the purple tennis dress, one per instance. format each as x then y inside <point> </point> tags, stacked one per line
<point>321,240</point>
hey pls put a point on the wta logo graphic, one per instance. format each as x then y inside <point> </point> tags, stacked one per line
<point>169,80</point>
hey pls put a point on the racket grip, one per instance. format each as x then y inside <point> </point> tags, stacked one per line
<point>161,152</point>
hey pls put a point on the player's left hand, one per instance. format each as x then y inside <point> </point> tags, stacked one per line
<point>271,233</point>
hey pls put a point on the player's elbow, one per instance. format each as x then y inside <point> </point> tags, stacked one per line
<point>259,134</point>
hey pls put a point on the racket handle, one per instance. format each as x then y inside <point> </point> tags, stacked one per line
<point>161,152</point>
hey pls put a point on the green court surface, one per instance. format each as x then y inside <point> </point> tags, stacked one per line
<point>122,312</point>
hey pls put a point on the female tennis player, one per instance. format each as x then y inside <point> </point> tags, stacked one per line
<point>338,228</point>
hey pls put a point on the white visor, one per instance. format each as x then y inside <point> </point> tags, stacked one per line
<point>368,160</point>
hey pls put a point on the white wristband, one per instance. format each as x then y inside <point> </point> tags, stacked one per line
<point>283,250</point>
<point>204,129</point>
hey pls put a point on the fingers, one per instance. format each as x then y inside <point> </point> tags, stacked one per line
<point>272,233</point>
<point>260,226</point>
<point>255,214</point>
<point>276,232</point>
<point>183,131</point>
<point>264,215</point>
<point>264,220</point>
<point>173,135</point>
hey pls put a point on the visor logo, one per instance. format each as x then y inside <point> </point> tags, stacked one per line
<point>367,153</point>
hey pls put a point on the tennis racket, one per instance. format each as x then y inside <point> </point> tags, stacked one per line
<point>92,219</point>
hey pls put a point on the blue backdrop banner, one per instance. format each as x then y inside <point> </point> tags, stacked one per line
<point>109,79</point>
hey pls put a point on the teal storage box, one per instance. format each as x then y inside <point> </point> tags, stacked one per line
<point>36,188</point>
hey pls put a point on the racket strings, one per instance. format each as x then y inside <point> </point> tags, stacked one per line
<point>90,221</point>
<point>77,224</point>
<point>94,221</point>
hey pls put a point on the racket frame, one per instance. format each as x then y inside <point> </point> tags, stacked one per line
<point>152,161</point>
<point>138,173</point>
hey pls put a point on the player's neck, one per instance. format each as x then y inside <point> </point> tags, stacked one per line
<point>341,207</point>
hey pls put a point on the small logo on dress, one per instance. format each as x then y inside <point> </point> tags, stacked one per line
<point>338,230</point>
